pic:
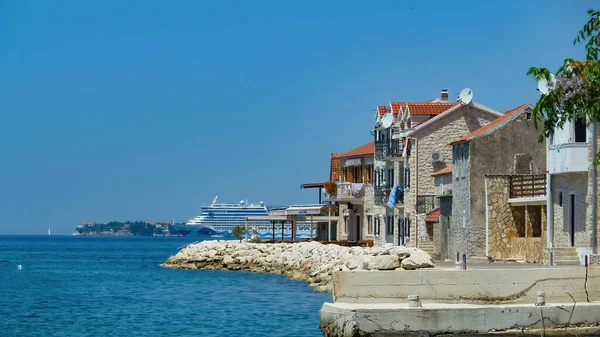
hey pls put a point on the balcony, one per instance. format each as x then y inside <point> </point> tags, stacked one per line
<point>346,191</point>
<point>568,157</point>
<point>382,195</point>
<point>387,150</point>
<point>527,189</point>
<point>426,203</point>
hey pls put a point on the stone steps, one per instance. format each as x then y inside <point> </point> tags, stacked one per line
<point>565,256</point>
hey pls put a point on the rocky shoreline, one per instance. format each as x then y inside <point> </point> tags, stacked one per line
<point>312,262</point>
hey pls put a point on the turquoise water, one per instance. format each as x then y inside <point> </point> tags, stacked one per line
<point>107,286</point>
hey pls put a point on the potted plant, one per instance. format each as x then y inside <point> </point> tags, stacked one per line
<point>330,188</point>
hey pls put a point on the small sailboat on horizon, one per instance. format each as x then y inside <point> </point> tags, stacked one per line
<point>48,231</point>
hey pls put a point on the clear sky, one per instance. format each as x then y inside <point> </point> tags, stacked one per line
<point>144,110</point>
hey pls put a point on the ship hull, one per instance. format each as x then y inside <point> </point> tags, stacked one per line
<point>204,231</point>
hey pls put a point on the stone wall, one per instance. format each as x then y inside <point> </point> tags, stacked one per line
<point>591,157</point>
<point>435,138</point>
<point>502,225</point>
<point>513,231</point>
<point>507,149</point>
<point>461,201</point>
<point>443,184</point>
<point>567,184</point>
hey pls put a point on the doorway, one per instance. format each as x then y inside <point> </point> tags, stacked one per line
<point>357,230</point>
<point>401,231</point>
<point>572,219</point>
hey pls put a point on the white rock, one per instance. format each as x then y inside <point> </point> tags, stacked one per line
<point>382,262</point>
<point>418,259</point>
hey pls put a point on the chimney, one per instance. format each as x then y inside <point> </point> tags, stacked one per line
<point>444,95</point>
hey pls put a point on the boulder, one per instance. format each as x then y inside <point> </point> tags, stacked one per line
<point>309,261</point>
<point>401,251</point>
<point>418,259</point>
<point>382,262</point>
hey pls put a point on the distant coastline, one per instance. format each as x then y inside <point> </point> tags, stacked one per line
<point>127,228</point>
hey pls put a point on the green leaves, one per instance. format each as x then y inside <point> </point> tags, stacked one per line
<point>575,95</point>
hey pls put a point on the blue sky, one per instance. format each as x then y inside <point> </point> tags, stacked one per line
<point>144,110</point>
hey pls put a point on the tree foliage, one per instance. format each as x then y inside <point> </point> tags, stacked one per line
<point>238,232</point>
<point>575,94</point>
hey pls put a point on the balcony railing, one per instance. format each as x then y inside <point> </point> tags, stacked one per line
<point>388,149</point>
<point>347,190</point>
<point>382,195</point>
<point>527,186</point>
<point>569,157</point>
<point>426,203</point>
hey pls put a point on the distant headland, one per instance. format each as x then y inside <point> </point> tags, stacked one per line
<point>127,228</point>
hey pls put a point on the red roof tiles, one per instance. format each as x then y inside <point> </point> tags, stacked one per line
<point>433,216</point>
<point>491,124</point>
<point>363,150</point>
<point>417,108</point>
<point>445,170</point>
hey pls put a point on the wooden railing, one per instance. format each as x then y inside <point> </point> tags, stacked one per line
<point>524,186</point>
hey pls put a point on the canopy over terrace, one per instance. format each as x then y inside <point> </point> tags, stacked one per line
<point>296,213</point>
<point>320,186</point>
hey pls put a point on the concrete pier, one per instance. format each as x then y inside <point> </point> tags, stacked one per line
<point>527,301</point>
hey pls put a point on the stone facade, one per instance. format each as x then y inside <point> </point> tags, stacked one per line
<point>513,231</point>
<point>381,210</point>
<point>511,147</point>
<point>435,138</point>
<point>591,157</point>
<point>579,185</point>
<point>563,187</point>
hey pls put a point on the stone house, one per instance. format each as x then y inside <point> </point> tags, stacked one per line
<point>572,220</point>
<point>408,153</point>
<point>499,190</point>
<point>353,175</point>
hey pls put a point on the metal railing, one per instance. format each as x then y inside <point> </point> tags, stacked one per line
<point>388,149</point>
<point>426,203</point>
<point>524,186</point>
<point>382,194</point>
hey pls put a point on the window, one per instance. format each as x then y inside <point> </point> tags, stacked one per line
<point>580,131</point>
<point>369,174</point>
<point>389,228</point>
<point>369,224</point>
<point>376,227</point>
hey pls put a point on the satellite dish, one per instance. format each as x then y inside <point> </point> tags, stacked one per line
<point>543,84</point>
<point>387,120</point>
<point>466,96</point>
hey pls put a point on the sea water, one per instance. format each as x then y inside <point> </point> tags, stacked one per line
<point>114,286</point>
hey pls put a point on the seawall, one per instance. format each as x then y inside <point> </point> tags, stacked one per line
<point>312,262</point>
<point>524,301</point>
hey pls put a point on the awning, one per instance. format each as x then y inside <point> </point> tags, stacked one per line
<point>304,209</point>
<point>313,185</point>
<point>433,216</point>
<point>353,162</point>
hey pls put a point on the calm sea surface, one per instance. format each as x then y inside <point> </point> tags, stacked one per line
<point>107,286</point>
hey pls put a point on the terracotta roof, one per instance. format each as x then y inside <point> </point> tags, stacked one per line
<point>433,216</point>
<point>363,150</point>
<point>334,169</point>
<point>491,125</point>
<point>445,170</point>
<point>418,108</point>
<point>382,110</point>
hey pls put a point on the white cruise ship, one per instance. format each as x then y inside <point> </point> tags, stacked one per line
<point>218,220</point>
